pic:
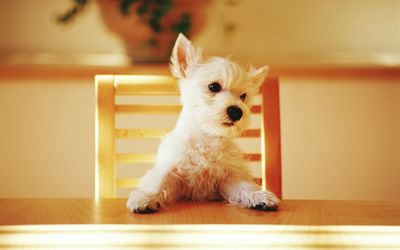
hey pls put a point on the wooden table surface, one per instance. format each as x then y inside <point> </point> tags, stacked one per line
<point>114,211</point>
<point>107,224</point>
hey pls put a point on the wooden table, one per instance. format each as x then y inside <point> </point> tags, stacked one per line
<point>55,223</point>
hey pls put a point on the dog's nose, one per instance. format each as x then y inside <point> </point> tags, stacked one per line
<point>234,113</point>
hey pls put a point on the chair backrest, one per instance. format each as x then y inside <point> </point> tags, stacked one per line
<point>110,86</point>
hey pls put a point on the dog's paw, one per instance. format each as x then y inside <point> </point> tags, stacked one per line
<point>146,210</point>
<point>264,207</point>
<point>266,201</point>
<point>141,203</point>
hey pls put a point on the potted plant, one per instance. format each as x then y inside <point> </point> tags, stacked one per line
<point>148,28</point>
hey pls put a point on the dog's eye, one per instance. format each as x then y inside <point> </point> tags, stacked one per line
<point>243,97</point>
<point>214,87</point>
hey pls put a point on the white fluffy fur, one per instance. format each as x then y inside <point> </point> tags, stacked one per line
<point>198,160</point>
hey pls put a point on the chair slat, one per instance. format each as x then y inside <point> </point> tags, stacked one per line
<point>147,109</point>
<point>167,85</point>
<point>141,133</point>
<point>271,137</point>
<point>251,133</point>
<point>146,85</point>
<point>128,182</point>
<point>104,139</point>
<point>135,158</point>
<point>141,90</point>
<point>134,182</point>
<point>256,109</point>
<point>160,132</point>
<point>149,158</point>
<point>253,157</point>
<point>160,109</point>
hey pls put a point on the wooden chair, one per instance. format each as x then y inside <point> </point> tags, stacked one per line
<point>109,86</point>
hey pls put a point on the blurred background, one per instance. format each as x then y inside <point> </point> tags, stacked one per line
<point>338,63</point>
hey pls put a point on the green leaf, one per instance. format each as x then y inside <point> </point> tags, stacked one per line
<point>142,9</point>
<point>71,13</point>
<point>155,23</point>
<point>124,6</point>
<point>184,25</point>
<point>80,2</point>
<point>164,7</point>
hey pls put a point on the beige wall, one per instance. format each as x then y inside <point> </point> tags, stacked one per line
<point>289,31</point>
<point>47,139</point>
<point>30,26</point>
<point>340,138</point>
<point>266,31</point>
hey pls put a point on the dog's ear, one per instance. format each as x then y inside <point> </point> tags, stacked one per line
<point>184,56</point>
<point>257,76</point>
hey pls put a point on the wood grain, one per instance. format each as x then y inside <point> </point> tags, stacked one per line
<point>149,158</point>
<point>227,237</point>
<point>148,109</point>
<point>161,132</point>
<point>57,72</point>
<point>114,211</point>
<point>160,109</point>
<point>146,85</point>
<point>271,137</point>
<point>107,224</point>
<point>107,87</point>
<point>128,182</point>
<point>105,138</point>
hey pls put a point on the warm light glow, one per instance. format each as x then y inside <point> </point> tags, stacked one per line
<point>215,236</point>
<point>140,79</point>
<point>104,121</point>
<point>96,167</point>
<point>264,155</point>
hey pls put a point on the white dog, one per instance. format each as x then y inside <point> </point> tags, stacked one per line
<point>198,160</point>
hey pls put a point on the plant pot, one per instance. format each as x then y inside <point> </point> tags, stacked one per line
<point>142,44</point>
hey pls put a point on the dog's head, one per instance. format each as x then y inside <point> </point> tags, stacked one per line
<point>217,91</point>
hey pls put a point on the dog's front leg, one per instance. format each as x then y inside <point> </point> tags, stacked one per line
<point>159,185</point>
<point>157,188</point>
<point>146,198</point>
<point>247,194</point>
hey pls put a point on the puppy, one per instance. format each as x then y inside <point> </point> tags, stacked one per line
<point>198,160</point>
